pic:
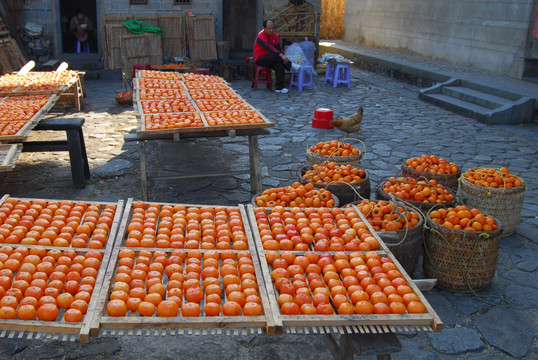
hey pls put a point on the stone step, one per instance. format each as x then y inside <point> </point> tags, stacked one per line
<point>485,104</point>
<point>456,105</point>
<point>474,96</point>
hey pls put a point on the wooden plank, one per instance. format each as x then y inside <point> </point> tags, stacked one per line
<point>9,154</point>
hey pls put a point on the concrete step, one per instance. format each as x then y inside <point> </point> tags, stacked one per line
<point>456,105</point>
<point>487,105</point>
<point>474,96</point>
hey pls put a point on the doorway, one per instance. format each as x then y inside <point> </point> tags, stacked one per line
<point>239,25</point>
<point>68,9</point>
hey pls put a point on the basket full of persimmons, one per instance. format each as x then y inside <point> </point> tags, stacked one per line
<point>496,192</point>
<point>461,247</point>
<point>433,167</point>
<point>334,150</point>
<point>400,226</point>
<point>348,182</point>
<point>423,194</point>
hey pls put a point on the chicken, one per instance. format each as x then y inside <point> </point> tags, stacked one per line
<point>351,123</point>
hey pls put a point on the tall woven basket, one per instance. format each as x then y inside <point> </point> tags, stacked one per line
<point>461,261</point>
<point>504,204</point>
<point>406,244</point>
<point>449,181</point>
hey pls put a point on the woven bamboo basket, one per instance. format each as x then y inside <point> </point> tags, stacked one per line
<point>346,192</point>
<point>461,261</point>
<point>381,195</point>
<point>504,204</point>
<point>449,181</point>
<point>315,158</point>
<point>406,244</point>
<point>124,100</point>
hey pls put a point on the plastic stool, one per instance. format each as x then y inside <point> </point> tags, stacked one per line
<point>83,47</point>
<point>342,75</point>
<point>329,73</point>
<point>247,60</point>
<point>202,71</point>
<point>262,75</point>
<point>301,82</point>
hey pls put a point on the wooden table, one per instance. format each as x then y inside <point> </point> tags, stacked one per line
<point>253,151</point>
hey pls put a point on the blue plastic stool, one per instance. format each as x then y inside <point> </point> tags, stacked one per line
<point>83,47</point>
<point>300,81</point>
<point>342,75</point>
<point>329,73</point>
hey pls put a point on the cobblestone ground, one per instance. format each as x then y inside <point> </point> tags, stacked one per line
<point>499,323</point>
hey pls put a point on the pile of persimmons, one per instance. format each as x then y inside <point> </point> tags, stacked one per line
<point>191,283</point>
<point>50,284</point>
<point>191,100</point>
<point>493,178</point>
<point>294,195</point>
<point>425,191</point>
<point>354,283</point>
<point>324,229</point>
<point>334,148</point>
<point>388,215</point>
<point>330,172</point>
<point>432,164</point>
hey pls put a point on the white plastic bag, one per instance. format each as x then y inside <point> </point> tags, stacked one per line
<point>32,29</point>
<point>294,52</point>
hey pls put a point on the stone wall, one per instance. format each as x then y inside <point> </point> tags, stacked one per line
<point>487,34</point>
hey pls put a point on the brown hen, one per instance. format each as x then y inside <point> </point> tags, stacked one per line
<point>351,123</point>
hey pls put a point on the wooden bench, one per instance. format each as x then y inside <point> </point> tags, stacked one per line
<point>80,169</point>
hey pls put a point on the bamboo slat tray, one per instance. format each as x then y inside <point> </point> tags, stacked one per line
<point>180,87</point>
<point>355,323</point>
<point>134,324</point>
<point>60,329</point>
<point>31,123</point>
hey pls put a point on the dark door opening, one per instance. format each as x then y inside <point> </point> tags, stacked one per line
<point>239,24</point>
<point>68,9</point>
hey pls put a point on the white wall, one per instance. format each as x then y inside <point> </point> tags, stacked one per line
<point>487,34</point>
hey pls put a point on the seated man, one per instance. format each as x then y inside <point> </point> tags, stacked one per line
<point>267,52</point>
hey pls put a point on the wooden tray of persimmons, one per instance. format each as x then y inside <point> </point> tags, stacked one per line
<point>54,255</point>
<point>180,267</point>
<point>327,270</point>
<point>167,103</point>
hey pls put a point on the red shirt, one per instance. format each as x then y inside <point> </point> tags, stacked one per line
<point>265,44</point>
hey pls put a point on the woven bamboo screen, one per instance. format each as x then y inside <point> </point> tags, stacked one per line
<point>11,57</point>
<point>114,30</point>
<point>202,42</point>
<point>173,38</point>
<point>140,49</point>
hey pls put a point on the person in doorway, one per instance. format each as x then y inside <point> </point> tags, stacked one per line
<point>268,52</point>
<point>81,27</point>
